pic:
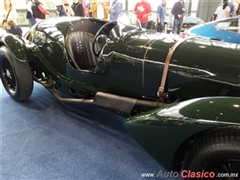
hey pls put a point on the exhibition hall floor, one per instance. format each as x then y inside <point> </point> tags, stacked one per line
<point>43,139</point>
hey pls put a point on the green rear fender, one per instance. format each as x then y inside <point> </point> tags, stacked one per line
<point>162,131</point>
<point>16,46</point>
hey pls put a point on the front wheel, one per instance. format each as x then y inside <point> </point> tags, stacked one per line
<point>217,153</point>
<point>16,76</point>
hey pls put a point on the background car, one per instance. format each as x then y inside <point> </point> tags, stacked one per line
<point>188,22</point>
<point>222,30</point>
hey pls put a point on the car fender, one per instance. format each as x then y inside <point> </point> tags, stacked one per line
<point>16,46</point>
<point>162,131</point>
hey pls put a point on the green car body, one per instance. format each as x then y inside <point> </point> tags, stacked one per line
<point>164,133</point>
<point>121,66</point>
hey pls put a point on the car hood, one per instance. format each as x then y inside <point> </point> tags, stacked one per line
<point>191,19</point>
<point>215,61</point>
<point>186,19</point>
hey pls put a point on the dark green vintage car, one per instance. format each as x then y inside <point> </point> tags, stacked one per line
<point>187,89</point>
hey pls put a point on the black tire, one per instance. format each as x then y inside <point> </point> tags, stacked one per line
<point>16,76</point>
<point>217,152</point>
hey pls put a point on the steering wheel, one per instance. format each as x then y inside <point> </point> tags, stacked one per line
<point>97,35</point>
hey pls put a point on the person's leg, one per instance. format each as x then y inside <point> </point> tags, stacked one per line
<point>238,25</point>
<point>144,25</point>
<point>180,23</point>
<point>160,27</point>
<point>32,21</point>
<point>163,27</point>
<point>175,26</point>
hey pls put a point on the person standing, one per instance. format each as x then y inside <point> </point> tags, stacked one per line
<point>237,10</point>
<point>89,10</point>
<point>99,9</point>
<point>143,10</point>
<point>231,6</point>
<point>29,14</point>
<point>161,13</point>
<point>223,11</point>
<point>9,19</point>
<point>64,9</point>
<point>14,29</point>
<point>9,13</point>
<point>39,12</point>
<point>78,8</point>
<point>115,10</point>
<point>178,11</point>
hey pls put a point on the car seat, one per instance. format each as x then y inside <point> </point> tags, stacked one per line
<point>79,46</point>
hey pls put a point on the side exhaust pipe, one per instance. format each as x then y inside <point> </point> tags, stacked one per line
<point>121,103</point>
<point>111,101</point>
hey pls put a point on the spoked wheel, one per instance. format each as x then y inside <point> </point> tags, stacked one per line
<point>218,153</point>
<point>16,76</point>
<point>8,76</point>
<point>227,170</point>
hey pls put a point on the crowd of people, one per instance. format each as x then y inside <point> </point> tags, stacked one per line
<point>37,12</point>
<point>94,8</point>
<point>143,10</point>
<point>227,9</point>
<point>101,10</point>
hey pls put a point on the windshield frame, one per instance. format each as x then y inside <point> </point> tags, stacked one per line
<point>128,21</point>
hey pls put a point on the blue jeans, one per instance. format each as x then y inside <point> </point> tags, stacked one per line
<point>160,27</point>
<point>31,21</point>
<point>144,25</point>
<point>177,25</point>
